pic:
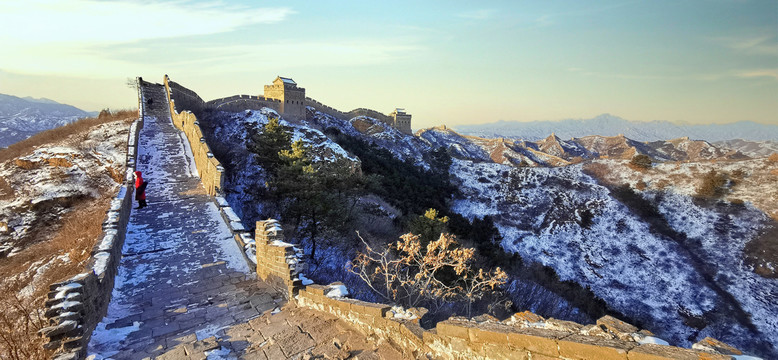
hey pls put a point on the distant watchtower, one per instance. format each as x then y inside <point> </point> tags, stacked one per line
<point>292,97</point>
<point>401,120</point>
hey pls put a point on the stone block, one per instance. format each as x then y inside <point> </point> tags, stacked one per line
<point>599,331</point>
<point>621,329</point>
<point>376,310</point>
<point>489,334</point>
<point>541,341</point>
<point>563,325</point>
<point>525,317</point>
<point>662,352</point>
<point>712,345</point>
<point>388,324</point>
<point>59,329</point>
<point>495,351</point>
<point>588,347</point>
<point>454,329</point>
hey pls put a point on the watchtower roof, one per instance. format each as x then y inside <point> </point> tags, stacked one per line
<point>286,80</point>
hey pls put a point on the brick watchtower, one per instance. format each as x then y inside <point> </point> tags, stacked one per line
<point>292,97</point>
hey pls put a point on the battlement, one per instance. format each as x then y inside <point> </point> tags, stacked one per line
<point>522,336</point>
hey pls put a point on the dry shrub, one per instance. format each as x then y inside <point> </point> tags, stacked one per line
<point>80,231</point>
<point>6,191</point>
<point>641,185</point>
<point>26,164</point>
<point>20,317</point>
<point>598,171</point>
<point>773,158</point>
<point>712,185</point>
<point>19,325</point>
<point>116,175</point>
<point>54,135</point>
<point>408,273</point>
<point>662,184</point>
<point>640,162</point>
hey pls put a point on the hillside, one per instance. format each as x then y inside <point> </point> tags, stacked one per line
<point>610,125</point>
<point>21,118</point>
<point>54,190</point>
<point>682,279</point>
<point>553,151</point>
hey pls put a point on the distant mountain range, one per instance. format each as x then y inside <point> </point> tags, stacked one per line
<point>21,118</point>
<point>610,125</point>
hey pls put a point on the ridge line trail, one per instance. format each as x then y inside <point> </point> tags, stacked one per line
<point>181,271</point>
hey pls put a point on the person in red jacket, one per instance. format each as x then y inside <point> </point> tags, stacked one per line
<point>140,190</point>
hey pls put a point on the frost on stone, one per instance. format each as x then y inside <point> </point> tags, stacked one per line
<point>336,290</point>
<point>237,226</point>
<point>306,281</point>
<point>230,214</point>
<point>66,305</point>
<point>247,238</point>
<point>107,242</point>
<point>101,262</point>
<point>649,340</point>
<point>398,312</point>
<point>71,286</point>
<point>221,201</point>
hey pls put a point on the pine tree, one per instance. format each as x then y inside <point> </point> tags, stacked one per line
<point>268,143</point>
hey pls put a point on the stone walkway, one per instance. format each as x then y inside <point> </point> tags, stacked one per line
<point>184,290</point>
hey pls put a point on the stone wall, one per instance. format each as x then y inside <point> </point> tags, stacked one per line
<point>239,103</point>
<point>186,99</point>
<point>75,306</point>
<point>523,336</point>
<point>370,113</point>
<point>277,261</point>
<point>325,109</point>
<point>209,169</point>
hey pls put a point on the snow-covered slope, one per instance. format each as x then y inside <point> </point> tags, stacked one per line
<point>21,118</point>
<point>565,219</point>
<point>753,149</point>
<point>683,286</point>
<point>228,133</point>
<point>46,182</point>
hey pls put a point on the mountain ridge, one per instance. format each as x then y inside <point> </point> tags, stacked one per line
<point>611,125</point>
<point>21,118</point>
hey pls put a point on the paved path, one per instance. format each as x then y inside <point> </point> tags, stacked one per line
<point>181,272</point>
<point>184,290</point>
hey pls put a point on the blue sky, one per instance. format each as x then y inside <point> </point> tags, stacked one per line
<point>451,62</point>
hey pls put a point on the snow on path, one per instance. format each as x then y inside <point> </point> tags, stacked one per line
<point>181,271</point>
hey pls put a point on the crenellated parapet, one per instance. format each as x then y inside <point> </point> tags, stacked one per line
<point>209,168</point>
<point>277,261</point>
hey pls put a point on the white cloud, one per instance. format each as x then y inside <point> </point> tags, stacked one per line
<point>217,59</point>
<point>41,22</point>
<point>759,44</point>
<point>67,37</point>
<point>769,73</point>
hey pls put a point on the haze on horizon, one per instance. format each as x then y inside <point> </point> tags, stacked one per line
<point>452,62</point>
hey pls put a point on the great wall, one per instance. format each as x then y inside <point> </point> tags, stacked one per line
<point>77,306</point>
